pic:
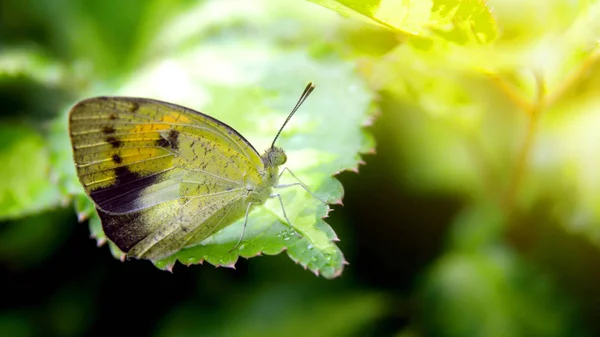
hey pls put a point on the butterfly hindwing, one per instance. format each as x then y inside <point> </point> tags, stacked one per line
<point>157,232</point>
<point>158,172</point>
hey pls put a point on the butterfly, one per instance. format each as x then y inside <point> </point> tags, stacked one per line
<point>163,177</point>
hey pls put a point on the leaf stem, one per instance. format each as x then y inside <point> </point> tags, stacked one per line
<point>510,92</point>
<point>573,77</point>
<point>534,111</point>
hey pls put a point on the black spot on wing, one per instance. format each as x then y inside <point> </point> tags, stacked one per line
<point>114,142</point>
<point>134,107</point>
<point>117,159</point>
<point>125,230</point>
<point>116,205</point>
<point>108,129</point>
<point>163,143</point>
<point>171,140</point>
<point>120,197</point>
<point>173,136</point>
<point>112,117</point>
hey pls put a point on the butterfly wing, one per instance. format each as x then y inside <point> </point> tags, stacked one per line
<point>160,175</point>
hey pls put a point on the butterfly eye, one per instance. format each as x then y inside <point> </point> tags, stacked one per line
<point>276,156</point>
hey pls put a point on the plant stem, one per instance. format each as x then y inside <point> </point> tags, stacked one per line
<point>511,93</point>
<point>534,111</point>
<point>574,77</point>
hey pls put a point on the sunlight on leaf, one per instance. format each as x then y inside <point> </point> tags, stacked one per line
<point>32,64</point>
<point>457,21</point>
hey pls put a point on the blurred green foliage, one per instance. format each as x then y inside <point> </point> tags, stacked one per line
<point>478,215</point>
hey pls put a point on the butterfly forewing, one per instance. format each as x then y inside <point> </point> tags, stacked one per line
<point>161,175</point>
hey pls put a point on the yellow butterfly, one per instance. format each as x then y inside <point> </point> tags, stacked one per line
<point>164,177</point>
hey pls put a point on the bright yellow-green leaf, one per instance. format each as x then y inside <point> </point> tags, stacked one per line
<point>455,20</point>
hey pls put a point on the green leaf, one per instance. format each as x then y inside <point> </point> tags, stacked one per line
<point>493,292</point>
<point>32,64</point>
<point>483,287</point>
<point>28,182</point>
<point>455,20</point>
<point>252,84</point>
<point>406,16</point>
<point>463,21</point>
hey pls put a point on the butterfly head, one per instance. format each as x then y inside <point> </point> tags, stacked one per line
<point>274,156</point>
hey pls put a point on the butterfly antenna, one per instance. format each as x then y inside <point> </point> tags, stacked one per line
<point>309,88</point>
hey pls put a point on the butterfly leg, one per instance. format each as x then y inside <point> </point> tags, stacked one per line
<point>298,183</point>
<point>243,229</point>
<point>278,196</point>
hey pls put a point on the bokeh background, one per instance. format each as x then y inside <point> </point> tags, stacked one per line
<point>477,215</point>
